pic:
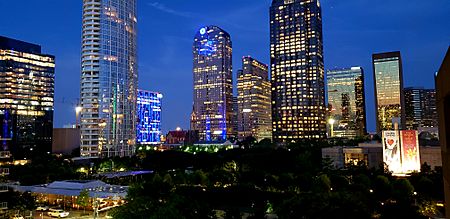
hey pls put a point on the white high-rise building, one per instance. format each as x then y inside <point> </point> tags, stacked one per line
<point>108,78</point>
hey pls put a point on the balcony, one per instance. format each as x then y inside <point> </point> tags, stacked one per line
<point>5,154</point>
<point>4,171</point>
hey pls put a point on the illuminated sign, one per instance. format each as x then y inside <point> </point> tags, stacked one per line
<point>410,151</point>
<point>391,151</point>
<point>401,153</point>
<point>203,31</point>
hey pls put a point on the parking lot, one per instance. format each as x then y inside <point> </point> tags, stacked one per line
<point>73,214</point>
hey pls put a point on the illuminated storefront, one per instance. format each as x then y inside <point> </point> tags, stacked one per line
<point>148,130</point>
<point>347,101</point>
<point>254,100</point>
<point>213,84</point>
<point>27,81</point>
<point>297,70</point>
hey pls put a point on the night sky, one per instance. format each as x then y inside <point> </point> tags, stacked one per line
<point>353,30</point>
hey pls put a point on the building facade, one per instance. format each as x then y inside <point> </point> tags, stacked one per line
<point>443,106</point>
<point>213,84</point>
<point>420,108</point>
<point>297,70</point>
<point>149,107</point>
<point>108,78</point>
<point>388,83</point>
<point>254,100</point>
<point>65,140</point>
<point>346,100</point>
<point>27,83</point>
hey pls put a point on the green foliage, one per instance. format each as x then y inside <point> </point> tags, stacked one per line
<point>83,199</point>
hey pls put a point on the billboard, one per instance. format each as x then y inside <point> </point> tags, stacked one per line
<point>391,151</point>
<point>410,151</point>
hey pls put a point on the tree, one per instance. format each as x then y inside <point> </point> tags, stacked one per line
<point>83,199</point>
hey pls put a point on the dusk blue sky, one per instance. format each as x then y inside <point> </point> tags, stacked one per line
<point>353,30</point>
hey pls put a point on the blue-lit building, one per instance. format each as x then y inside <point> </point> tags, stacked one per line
<point>213,84</point>
<point>148,130</point>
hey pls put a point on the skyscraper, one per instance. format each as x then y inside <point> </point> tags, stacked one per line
<point>213,84</point>
<point>148,129</point>
<point>297,70</point>
<point>420,108</point>
<point>389,98</point>
<point>108,78</point>
<point>347,101</point>
<point>26,99</point>
<point>254,100</point>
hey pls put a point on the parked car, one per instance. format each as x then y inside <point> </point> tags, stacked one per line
<point>42,208</point>
<point>56,212</point>
<point>17,216</point>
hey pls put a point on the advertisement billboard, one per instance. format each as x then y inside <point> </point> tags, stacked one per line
<point>391,151</point>
<point>410,151</point>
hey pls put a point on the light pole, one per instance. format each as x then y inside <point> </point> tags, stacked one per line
<point>78,110</point>
<point>331,121</point>
<point>244,124</point>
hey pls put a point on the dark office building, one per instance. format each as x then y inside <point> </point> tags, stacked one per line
<point>26,98</point>
<point>346,99</point>
<point>65,140</point>
<point>389,98</point>
<point>420,108</point>
<point>297,70</point>
<point>443,107</point>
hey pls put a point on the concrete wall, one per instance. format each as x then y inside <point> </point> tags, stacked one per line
<point>65,140</point>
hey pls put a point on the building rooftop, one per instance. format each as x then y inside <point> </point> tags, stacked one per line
<point>96,188</point>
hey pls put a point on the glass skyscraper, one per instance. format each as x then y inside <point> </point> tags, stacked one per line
<point>213,84</point>
<point>346,100</point>
<point>148,129</point>
<point>297,70</point>
<point>109,78</point>
<point>420,108</point>
<point>27,84</point>
<point>254,100</point>
<point>389,98</point>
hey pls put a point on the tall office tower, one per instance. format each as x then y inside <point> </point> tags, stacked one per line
<point>109,78</point>
<point>254,100</point>
<point>297,70</point>
<point>420,108</point>
<point>347,101</point>
<point>213,84</point>
<point>27,84</point>
<point>388,79</point>
<point>148,129</point>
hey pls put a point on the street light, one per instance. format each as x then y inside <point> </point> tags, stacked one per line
<point>331,121</point>
<point>243,117</point>
<point>78,110</point>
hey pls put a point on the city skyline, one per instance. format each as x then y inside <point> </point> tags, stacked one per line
<point>417,61</point>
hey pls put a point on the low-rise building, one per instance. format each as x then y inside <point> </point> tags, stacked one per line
<point>66,192</point>
<point>372,155</point>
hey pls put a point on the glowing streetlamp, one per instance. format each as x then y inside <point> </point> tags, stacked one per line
<point>78,110</point>
<point>331,121</point>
